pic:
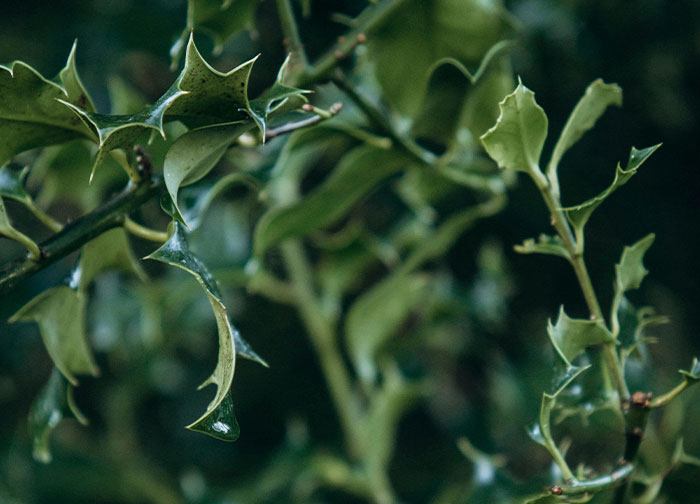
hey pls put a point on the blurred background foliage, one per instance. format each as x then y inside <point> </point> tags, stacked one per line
<point>487,349</point>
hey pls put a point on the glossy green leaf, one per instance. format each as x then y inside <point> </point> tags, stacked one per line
<point>515,142</point>
<point>7,230</point>
<point>60,314</point>
<point>53,403</point>
<point>12,177</point>
<point>109,250</point>
<point>356,175</point>
<point>570,337</point>
<point>597,98</point>
<point>30,113</point>
<point>377,315</point>
<point>220,19</point>
<point>195,153</point>
<point>200,96</point>
<point>578,215</point>
<point>630,271</point>
<point>421,33</point>
<point>175,252</point>
<point>545,244</point>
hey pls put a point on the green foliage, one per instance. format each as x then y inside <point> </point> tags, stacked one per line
<point>339,181</point>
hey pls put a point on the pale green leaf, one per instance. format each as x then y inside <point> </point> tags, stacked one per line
<point>69,79</point>
<point>377,315</point>
<point>220,19</point>
<point>357,174</point>
<point>630,271</point>
<point>421,33</point>
<point>109,250</point>
<point>195,153</point>
<point>30,114</point>
<point>570,337</point>
<point>218,420</point>
<point>545,244</point>
<point>60,314</point>
<point>53,403</point>
<point>597,98</point>
<point>515,142</point>
<point>578,215</point>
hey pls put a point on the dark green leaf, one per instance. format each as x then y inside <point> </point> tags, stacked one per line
<point>221,423</point>
<point>570,337</point>
<point>515,142</point>
<point>578,215</point>
<point>30,113</point>
<point>60,314</point>
<point>12,177</point>
<point>545,244</point>
<point>53,403</point>
<point>597,98</point>
<point>357,174</point>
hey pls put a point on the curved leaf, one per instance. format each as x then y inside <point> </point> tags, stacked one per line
<point>545,244</point>
<point>60,314</point>
<point>357,174</point>
<point>570,337</point>
<point>12,177</point>
<point>630,271</point>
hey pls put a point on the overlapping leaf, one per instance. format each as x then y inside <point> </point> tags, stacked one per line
<point>51,406</point>
<point>30,113</point>
<point>218,420</point>
<point>571,337</point>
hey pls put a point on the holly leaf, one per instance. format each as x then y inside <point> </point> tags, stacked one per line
<point>53,403</point>
<point>219,413</point>
<point>220,19</point>
<point>60,314</point>
<point>30,113</point>
<point>515,142</point>
<point>630,271</point>
<point>545,244</point>
<point>597,98</point>
<point>570,337</point>
<point>200,96</point>
<point>578,215</point>
<point>358,173</point>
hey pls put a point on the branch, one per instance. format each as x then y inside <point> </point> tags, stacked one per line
<point>80,231</point>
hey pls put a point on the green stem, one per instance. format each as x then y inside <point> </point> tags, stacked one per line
<point>27,242</point>
<point>45,218</point>
<point>323,338</point>
<point>595,484</point>
<point>663,400</point>
<point>81,231</point>
<point>291,32</point>
<point>144,232</point>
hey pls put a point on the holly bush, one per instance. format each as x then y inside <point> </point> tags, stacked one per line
<point>313,207</point>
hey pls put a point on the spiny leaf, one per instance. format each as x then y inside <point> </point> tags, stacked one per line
<point>578,215</point>
<point>218,420</point>
<point>200,96</point>
<point>194,154</point>
<point>376,316</point>
<point>53,403</point>
<point>515,142</point>
<point>597,98</point>
<point>30,113</point>
<point>570,337</point>
<point>545,244</point>
<point>60,314</point>
<point>218,18</point>
<point>12,177</point>
<point>630,271</point>
<point>274,99</point>
<point>358,173</point>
